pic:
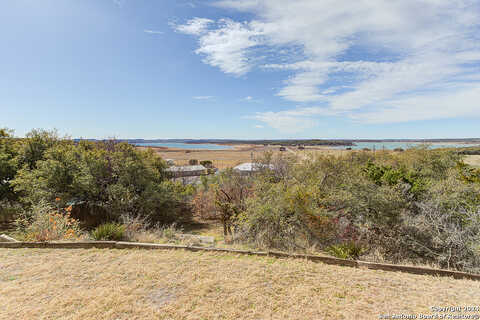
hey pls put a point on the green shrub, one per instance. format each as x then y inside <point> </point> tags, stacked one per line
<point>8,167</point>
<point>387,175</point>
<point>109,232</point>
<point>104,181</point>
<point>468,174</point>
<point>279,217</point>
<point>34,146</point>
<point>348,250</point>
<point>207,163</point>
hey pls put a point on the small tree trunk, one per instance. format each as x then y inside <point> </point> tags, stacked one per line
<point>225,228</point>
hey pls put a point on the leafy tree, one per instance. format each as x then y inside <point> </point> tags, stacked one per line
<point>33,147</point>
<point>8,167</point>
<point>104,181</point>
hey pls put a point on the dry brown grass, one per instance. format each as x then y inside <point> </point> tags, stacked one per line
<point>473,160</point>
<point>230,158</point>
<point>136,284</point>
<point>221,158</point>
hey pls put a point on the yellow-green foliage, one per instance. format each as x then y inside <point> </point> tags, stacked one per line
<point>109,232</point>
<point>348,250</point>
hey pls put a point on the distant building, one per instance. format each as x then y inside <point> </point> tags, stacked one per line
<point>186,171</point>
<point>194,180</point>
<point>251,167</point>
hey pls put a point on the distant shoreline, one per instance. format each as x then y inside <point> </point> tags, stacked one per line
<point>326,143</point>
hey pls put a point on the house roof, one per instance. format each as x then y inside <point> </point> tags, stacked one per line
<point>251,166</point>
<point>186,168</point>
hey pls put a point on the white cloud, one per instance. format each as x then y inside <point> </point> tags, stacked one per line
<point>285,123</point>
<point>373,61</point>
<point>258,126</point>
<point>195,26</point>
<point>290,121</point>
<point>225,46</point>
<point>153,31</point>
<point>249,98</point>
<point>462,102</point>
<point>239,5</point>
<point>203,97</point>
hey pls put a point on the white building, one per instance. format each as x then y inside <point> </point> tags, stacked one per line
<point>186,171</point>
<point>251,167</point>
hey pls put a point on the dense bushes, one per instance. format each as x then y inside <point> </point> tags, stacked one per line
<point>417,206</point>
<point>281,217</point>
<point>103,181</point>
<point>100,181</point>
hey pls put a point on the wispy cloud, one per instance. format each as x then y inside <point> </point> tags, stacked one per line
<point>153,31</point>
<point>203,97</point>
<point>251,99</point>
<point>195,26</point>
<point>226,45</point>
<point>375,62</point>
<point>284,123</point>
<point>258,126</point>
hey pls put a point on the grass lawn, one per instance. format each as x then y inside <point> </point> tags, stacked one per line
<point>141,284</point>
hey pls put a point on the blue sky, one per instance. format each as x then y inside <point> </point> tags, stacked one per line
<point>248,69</point>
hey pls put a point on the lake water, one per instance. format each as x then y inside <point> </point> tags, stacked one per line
<point>190,146</point>
<point>406,145</point>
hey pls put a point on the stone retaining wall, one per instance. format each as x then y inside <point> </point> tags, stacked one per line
<point>322,259</point>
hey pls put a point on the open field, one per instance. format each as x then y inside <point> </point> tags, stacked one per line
<point>230,158</point>
<point>473,160</point>
<point>221,158</point>
<point>136,284</point>
<point>245,153</point>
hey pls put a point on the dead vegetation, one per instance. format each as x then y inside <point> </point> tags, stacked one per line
<point>221,159</point>
<point>136,284</point>
<point>473,160</point>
